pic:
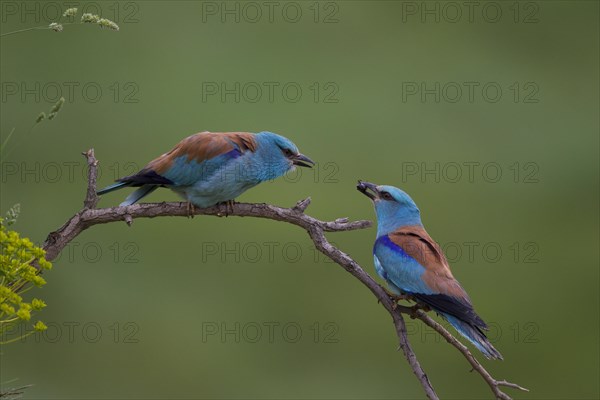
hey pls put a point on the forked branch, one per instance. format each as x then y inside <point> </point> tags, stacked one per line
<point>90,216</point>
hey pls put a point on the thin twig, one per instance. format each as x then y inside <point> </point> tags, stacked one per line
<point>14,392</point>
<point>43,27</point>
<point>487,377</point>
<point>25,30</point>
<point>91,197</point>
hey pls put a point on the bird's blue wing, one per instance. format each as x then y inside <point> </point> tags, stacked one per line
<point>414,263</point>
<point>195,158</point>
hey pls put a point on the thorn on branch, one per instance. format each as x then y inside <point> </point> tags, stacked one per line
<point>302,205</point>
<point>128,219</point>
<point>511,385</point>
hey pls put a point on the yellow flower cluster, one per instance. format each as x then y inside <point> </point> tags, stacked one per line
<point>17,275</point>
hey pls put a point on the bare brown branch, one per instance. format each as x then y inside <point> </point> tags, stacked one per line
<point>91,198</point>
<point>90,216</point>
<point>492,383</point>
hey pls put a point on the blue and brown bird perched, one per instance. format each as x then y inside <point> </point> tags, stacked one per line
<point>413,264</point>
<point>212,168</point>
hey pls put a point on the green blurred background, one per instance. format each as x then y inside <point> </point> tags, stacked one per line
<point>178,308</point>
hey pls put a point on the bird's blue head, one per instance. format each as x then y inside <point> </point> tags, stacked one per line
<point>393,206</point>
<point>279,155</point>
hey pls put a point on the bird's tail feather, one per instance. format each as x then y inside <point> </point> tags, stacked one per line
<point>138,195</point>
<point>112,188</point>
<point>474,335</point>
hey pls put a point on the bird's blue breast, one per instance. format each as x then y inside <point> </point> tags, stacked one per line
<point>385,241</point>
<point>399,268</point>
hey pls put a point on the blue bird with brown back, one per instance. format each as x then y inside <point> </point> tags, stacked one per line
<point>212,168</point>
<point>413,264</point>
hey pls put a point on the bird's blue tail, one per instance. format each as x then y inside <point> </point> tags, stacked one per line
<point>138,195</point>
<point>112,188</point>
<point>474,335</point>
<point>134,197</point>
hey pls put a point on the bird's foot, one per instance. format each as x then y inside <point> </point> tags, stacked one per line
<point>225,207</point>
<point>414,310</point>
<point>191,209</point>
<point>396,297</point>
<point>230,204</point>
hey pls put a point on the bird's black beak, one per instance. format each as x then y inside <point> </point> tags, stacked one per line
<point>368,189</point>
<point>302,161</point>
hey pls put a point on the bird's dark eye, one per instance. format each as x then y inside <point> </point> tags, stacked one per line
<point>386,196</point>
<point>288,152</point>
